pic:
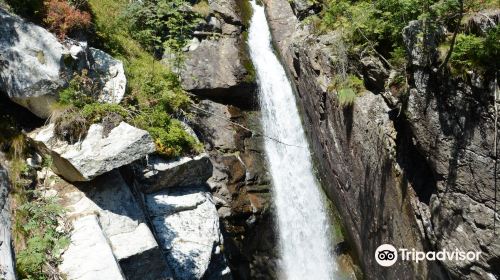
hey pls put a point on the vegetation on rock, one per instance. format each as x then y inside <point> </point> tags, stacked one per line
<point>377,26</point>
<point>41,234</point>
<point>163,24</point>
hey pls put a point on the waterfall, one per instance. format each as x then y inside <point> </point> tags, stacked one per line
<point>303,223</point>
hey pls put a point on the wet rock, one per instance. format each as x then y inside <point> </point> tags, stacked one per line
<point>241,188</point>
<point>6,254</point>
<point>187,225</point>
<point>158,173</point>
<point>95,154</point>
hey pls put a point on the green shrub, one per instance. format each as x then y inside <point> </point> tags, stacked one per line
<point>346,97</point>
<point>347,89</point>
<point>81,91</point>
<point>163,24</point>
<point>95,112</point>
<point>377,22</point>
<point>70,125</point>
<point>38,221</point>
<point>472,52</point>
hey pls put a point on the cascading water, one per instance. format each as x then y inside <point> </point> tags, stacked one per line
<point>303,224</point>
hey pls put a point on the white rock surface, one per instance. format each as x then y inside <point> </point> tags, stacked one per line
<point>187,226</point>
<point>96,154</point>
<point>112,75</point>
<point>89,256</point>
<point>122,222</point>
<point>159,173</point>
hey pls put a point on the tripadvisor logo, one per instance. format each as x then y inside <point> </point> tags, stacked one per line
<point>387,255</point>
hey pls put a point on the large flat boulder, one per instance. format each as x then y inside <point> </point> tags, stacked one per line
<point>157,173</point>
<point>34,65</point>
<point>122,222</point>
<point>97,153</point>
<point>187,226</point>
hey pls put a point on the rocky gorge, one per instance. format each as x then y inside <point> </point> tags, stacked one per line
<point>416,170</point>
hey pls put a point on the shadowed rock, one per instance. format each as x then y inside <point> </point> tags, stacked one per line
<point>159,174</point>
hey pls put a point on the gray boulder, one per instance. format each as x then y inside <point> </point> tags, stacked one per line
<point>160,174</point>
<point>34,65</point>
<point>97,153</point>
<point>111,74</point>
<point>303,8</point>
<point>6,255</point>
<point>216,69</point>
<point>482,21</point>
<point>187,225</point>
<point>227,9</point>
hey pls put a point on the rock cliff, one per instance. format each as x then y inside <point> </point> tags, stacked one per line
<point>417,173</point>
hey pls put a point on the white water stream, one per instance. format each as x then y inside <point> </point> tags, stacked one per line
<point>303,223</point>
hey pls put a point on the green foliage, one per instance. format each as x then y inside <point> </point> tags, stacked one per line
<point>347,89</point>
<point>171,138</point>
<point>379,24</point>
<point>363,21</point>
<point>163,24</point>
<point>472,52</point>
<point>95,112</point>
<point>346,97</point>
<point>81,90</point>
<point>39,222</point>
<point>153,95</point>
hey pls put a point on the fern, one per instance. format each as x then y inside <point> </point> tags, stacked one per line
<point>38,222</point>
<point>346,97</point>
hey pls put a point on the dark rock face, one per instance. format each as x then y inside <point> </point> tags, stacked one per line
<point>216,64</point>
<point>417,172</point>
<point>241,187</point>
<point>217,69</point>
<point>355,148</point>
<point>453,124</point>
